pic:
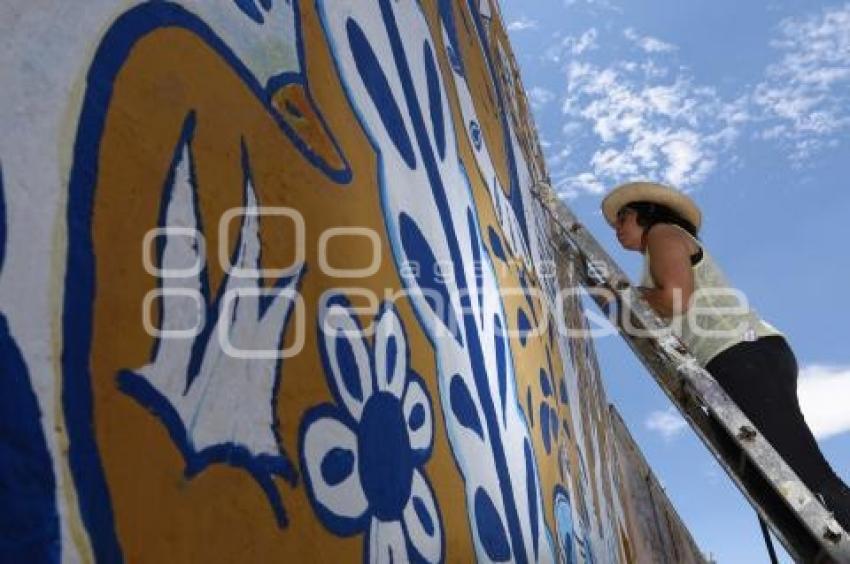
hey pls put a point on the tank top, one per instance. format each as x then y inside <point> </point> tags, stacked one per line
<point>719,316</point>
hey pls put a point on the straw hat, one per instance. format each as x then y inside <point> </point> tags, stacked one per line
<point>650,192</point>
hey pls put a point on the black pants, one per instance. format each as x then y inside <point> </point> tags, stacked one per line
<point>761,377</point>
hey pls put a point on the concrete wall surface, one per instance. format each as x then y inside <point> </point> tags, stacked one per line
<point>275,288</point>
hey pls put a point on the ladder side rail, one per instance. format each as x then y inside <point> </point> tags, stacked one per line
<point>685,382</point>
<point>729,454</point>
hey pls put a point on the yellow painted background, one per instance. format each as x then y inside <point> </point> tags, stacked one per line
<point>222,515</point>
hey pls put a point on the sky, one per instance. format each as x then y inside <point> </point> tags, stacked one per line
<point>746,107</point>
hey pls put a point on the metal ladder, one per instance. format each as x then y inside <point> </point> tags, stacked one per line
<point>797,518</point>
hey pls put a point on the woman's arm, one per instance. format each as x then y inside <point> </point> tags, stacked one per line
<point>670,267</point>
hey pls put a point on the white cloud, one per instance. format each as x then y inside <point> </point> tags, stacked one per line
<point>645,116</point>
<point>560,156</point>
<point>667,423</point>
<point>648,43</point>
<point>571,128</point>
<point>643,125</point>
<point>685,157</point>
<point>586,41</point>
<point>523,24</point>
<point>539,97</point>
<point>570,187</point>
<point>592,4</point>
<point>805,95</point>
<point>824,393</point>
<point>572,45</point>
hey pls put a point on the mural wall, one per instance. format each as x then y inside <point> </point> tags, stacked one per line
<point>275,287</point>
<point>655,531</point>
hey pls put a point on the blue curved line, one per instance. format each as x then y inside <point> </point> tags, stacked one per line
<point>283,79</point>
<point>379,90</point>
<point>421,456</point>
<point>393,236</point>
<point>435,99</point>
<point>474,345</point>
<point>346,173</point>
<point>261,467</point>
<point>84,460</point>
<point>515,196</point>
<point>531,490</point>
<point>446,14</point>
<point>342,526</point>
<point>185,140</point>
<point>29,522</point>
<point>413,554</point>
<point>2,220</point>
<point>385,308</point>
<point>523,279</point>
<point>213,309</point>
<point>250,9</point>
<point>478,264</point>
<point>342,301</point>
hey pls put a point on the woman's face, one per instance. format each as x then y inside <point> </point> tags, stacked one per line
<point>629,233</point>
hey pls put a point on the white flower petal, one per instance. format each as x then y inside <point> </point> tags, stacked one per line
<point>422,521</point>
<point>330,457</point>
<point>347,356</point>
<point>418,416</point>
<point>386,542</point>
<point>390,353</point>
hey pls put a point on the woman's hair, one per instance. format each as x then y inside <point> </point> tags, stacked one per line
<point>650,213</point>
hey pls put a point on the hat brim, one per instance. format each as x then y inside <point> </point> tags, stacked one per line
<point>650,192</point>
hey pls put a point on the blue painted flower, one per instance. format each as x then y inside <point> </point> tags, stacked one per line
<point>363,457</point>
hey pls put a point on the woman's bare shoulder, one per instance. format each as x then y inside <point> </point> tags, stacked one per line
<point>665,235</point>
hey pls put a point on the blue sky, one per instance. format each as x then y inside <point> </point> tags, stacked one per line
<point>745,105</point>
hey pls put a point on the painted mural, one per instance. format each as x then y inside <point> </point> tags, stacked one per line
<point>275,287</point>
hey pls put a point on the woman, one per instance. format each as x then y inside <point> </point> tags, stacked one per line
<point>748,357</point>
